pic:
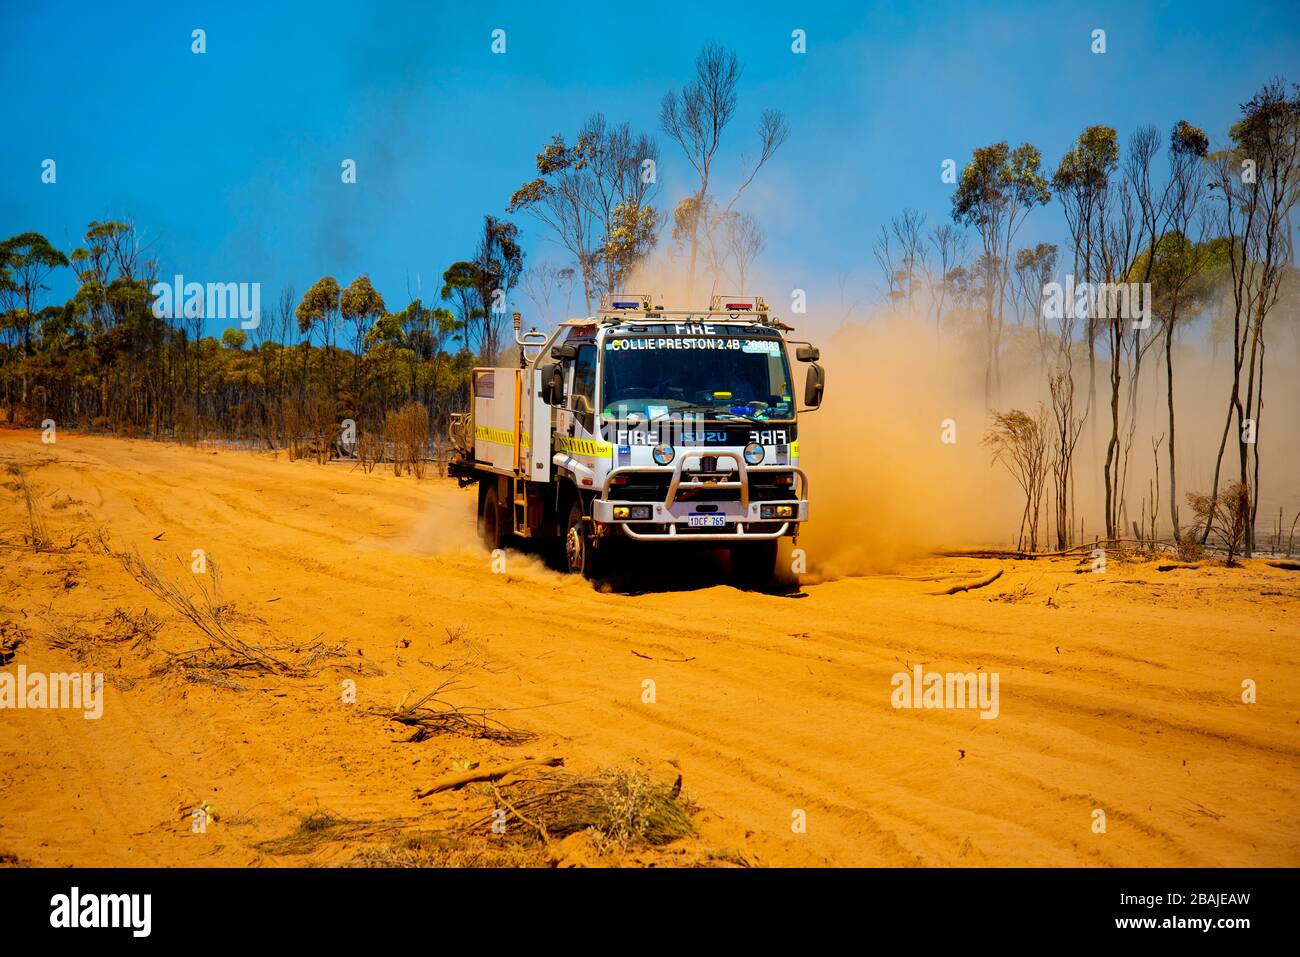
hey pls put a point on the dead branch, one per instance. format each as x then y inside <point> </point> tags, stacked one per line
<point>1072,550</point>
<point>430,714</point>
<point>677,661</point>
<point>970,586</point>
<point>451,782</point>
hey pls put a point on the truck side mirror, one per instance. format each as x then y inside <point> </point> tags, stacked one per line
<point>814,386</point>
<point>553,392</point>
<point>808,353</point>
<point>561,353</point>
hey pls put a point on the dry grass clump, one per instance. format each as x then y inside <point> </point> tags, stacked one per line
<point>81,645</point>
<point>393,843</point>
<point>138,628</point>
<point>370,451</point>
<point>323,827</point>
<point>475,655</point>
<point>1017,594</point>
<point>1188,547</point>
<point>211,616</point>
<point>309,427</point>
<point>39,539</point>
<point>407,429</point>
<point>1227,515</point>
<point>623,808</point>
<point>319,651</point>
<point>12,635</point>
<point>432,715</point>
<point>445,850</point>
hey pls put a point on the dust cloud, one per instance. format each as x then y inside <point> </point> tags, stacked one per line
<point>885,485</point>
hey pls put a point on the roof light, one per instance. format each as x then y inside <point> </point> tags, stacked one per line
<point>726,303</point>
<point>624,300</point>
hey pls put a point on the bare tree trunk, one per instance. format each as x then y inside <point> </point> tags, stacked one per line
<point>1169,371</point>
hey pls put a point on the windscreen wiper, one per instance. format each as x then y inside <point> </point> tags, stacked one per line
<point>718,414</point>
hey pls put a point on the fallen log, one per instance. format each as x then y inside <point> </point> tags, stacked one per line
<point>451,782</point>
<point>970,586</point>
<point>1072,550</point>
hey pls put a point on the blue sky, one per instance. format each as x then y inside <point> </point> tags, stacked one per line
<point>229,162</point>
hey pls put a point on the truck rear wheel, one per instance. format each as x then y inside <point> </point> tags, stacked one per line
<point>489,520</point>
<point>753,564</point>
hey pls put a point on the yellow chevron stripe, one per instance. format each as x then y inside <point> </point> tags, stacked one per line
<point>592,447</point>
<point>494,436</point>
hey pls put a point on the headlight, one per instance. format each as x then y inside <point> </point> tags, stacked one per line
<point>753,453</point>
<point>777,511</point>
<point>663,454</point>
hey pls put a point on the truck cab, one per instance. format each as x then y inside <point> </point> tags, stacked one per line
<point>645,424</point>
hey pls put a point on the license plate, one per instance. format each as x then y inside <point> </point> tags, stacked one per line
<point>707,521</point>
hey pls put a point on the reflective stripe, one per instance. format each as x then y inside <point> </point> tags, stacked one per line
<point>593,447</point>
<point>794,450</point>
<point>494,436</point>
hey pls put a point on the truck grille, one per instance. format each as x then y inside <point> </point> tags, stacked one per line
<point>653,487</point>
<point>641,487</point>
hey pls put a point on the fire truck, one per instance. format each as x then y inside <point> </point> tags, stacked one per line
<point>643,424</point>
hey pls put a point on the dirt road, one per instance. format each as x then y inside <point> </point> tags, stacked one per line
<point>1120,692</point>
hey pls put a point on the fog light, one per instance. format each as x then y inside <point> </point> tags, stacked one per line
<point>753,453</point>
<point>776,511</point>
<point>663,454</point>
<point>637,513</point>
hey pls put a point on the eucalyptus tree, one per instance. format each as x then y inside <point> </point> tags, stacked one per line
<point>998,189</point>
<point>696,117</point>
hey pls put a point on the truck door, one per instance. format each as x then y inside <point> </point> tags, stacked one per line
<point>537,425</point>
<point>582,390</point>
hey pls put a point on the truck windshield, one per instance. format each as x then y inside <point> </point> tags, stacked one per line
<point>720,376</point>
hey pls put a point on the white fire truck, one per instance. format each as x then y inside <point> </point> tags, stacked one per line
<point>643,424</point>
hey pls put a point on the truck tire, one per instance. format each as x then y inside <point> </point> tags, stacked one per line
<point>489,520</point>
<point>753,564</point>
<point>581,557</point>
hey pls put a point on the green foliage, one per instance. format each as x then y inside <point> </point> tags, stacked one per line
<point>319,305</point>
<point>1089,163</point>
<point>997,181</point>
<point>360,302</point>
<point>1188,140</point>
<point>1270,122</point>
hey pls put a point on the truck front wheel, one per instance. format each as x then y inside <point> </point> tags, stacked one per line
<point>580,553</point>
